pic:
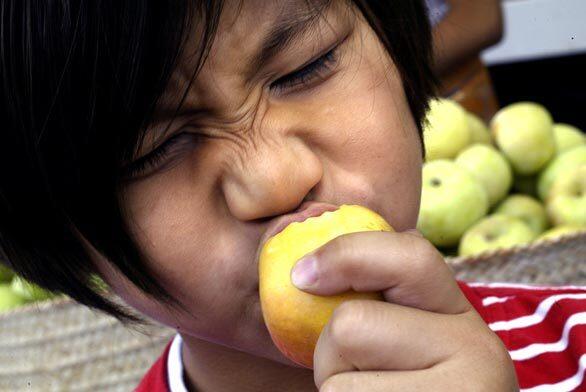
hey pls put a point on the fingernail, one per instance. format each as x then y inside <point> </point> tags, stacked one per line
<point>304,273</point>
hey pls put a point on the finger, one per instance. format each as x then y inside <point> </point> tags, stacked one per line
<point>450,376</point>
<point>373,335</point>
<point>404,266</point>
<point>477,374</point>
<point>388,381</point>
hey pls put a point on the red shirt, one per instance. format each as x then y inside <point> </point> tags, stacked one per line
<point>543,328</point>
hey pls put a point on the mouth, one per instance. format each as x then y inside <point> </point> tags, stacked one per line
<point>306,210</point>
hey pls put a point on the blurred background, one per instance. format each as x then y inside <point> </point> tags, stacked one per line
<point>542,57</point>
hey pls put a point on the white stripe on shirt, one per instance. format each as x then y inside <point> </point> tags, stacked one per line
<point>536,349</point>
<point>487,301</point>
<point>535,318</point>
<point>569,384</point>
<point>505,285</point>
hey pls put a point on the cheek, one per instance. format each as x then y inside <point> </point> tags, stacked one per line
<point>398,145</point>
<point>390,155</point>
<point>173,229</point>
<point>392,148</point>
<point>368,139</point>
<point>194,252</point>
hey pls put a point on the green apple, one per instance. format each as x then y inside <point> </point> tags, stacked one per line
<point>29,291</point>
<point>452,200</point>
<point>489,167</point>
<point>479,132</point>
<point>525,184</point>
<point>560,231</point>
<point>526,208</point>
<point>523,131</point>
<point>446,131</point>
<point>495,232</point>
<point>567,137</point>
<point>566,204</point>
<point>6,274</point>
<point>9,299</point>
<point>562,163</point>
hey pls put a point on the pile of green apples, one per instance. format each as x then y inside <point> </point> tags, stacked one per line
<point>16,291</point>
<point>519,179</point>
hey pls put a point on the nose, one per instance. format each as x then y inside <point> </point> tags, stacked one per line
<point>274,181</point>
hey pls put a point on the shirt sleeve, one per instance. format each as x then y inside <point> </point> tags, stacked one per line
<point>542,327</point>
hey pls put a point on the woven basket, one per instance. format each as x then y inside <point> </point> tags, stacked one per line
<point>61,346</point>
<point>551,262</point>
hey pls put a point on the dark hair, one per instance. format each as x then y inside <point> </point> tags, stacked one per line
<point>79,82</point>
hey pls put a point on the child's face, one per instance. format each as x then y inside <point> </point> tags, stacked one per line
<point>339,131</point>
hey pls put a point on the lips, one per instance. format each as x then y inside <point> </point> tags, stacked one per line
<point>306,210</point>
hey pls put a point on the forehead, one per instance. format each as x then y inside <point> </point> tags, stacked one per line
<point>244,28</point>
<point>245,17</point>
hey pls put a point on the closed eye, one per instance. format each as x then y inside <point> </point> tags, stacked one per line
<point>168,151</point>
<point>308,74</point>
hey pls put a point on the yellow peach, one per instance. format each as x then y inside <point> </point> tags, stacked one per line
<point>293,317</point>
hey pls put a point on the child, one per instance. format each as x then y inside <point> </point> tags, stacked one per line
<point>156,144</point>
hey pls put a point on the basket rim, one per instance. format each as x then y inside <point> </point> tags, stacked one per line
<point>536,244</point>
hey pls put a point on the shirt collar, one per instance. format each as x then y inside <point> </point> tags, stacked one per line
<point>175,366</point>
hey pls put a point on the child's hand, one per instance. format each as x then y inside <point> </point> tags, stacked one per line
<point>427,337</point>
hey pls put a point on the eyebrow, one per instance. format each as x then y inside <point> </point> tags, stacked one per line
<point>288,28</point>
